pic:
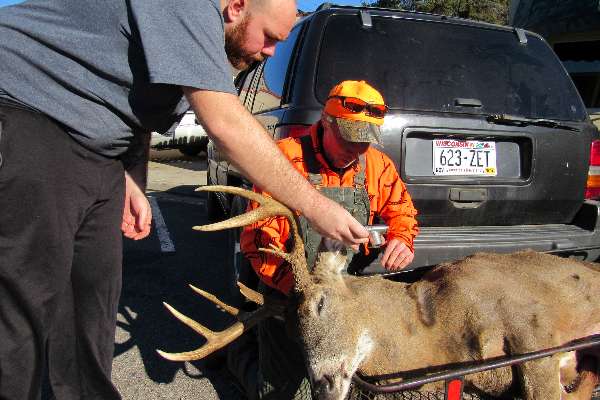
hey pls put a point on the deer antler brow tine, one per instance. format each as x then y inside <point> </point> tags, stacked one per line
<point>211,297</point>
<point>251,295</point>
<point>278,252</point>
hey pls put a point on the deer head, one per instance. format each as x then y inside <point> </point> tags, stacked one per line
<point>334,346</point>
<point>321,301</point>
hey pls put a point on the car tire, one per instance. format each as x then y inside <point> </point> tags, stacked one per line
<point>214,210</point>
<point>195,148</point>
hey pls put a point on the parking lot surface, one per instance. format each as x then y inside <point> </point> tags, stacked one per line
<point>159,269</point>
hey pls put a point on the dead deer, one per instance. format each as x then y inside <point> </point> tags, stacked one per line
<point>485,306</point>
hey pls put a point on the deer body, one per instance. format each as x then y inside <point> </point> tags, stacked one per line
<point>485,306</point>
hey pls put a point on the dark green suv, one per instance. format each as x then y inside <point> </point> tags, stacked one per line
<point>485,126</point>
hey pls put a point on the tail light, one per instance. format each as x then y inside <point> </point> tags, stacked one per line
<point>294,131</point>
<point>454,389</point>
<point>592,189</point>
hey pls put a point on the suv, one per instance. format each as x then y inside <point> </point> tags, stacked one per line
<point>485,127</point>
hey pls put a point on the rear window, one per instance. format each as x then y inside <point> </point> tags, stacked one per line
<point>424,65</point>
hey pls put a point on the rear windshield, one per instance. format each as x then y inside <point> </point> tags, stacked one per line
<point>424,65</point>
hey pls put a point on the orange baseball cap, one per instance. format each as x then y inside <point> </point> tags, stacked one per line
<point>358,109</point>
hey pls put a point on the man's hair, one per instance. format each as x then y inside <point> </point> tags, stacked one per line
<point>264,5</point>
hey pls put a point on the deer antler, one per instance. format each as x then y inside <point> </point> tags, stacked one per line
<point>218,340</point>
<point>245,320</point>
<point>268,208</point>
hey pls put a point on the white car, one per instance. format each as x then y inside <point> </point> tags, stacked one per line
<point>188,136</point>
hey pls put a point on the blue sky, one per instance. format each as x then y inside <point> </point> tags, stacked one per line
<point>310,5</point>
<point>304,5</point>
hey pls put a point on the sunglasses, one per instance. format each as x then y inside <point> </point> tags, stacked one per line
<point>355,105</point>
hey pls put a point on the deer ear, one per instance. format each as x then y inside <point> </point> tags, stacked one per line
<point>331,259</point>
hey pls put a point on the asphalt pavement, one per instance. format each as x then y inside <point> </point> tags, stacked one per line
<point>159,269</point>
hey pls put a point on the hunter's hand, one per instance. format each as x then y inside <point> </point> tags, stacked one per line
<point>333,221</point>
<point>137,214</point>
<point>396,255</point>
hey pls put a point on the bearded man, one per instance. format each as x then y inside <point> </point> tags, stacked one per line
<point>82,83</point>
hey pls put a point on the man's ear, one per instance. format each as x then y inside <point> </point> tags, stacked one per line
<point>235,10</point>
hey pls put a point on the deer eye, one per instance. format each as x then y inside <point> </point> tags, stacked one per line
<point>321,304</point>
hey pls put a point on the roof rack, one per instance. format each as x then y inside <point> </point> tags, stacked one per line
<point>324,6</point>
<point>521,35</point>
<point>365,19</point>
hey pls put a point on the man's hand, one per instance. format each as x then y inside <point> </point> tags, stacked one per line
<point>333,221</point>
<point>396,255</point>
<point>137,214</point>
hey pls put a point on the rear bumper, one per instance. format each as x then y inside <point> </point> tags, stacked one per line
<point>435,245</point>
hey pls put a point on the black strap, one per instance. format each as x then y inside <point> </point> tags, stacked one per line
<point>313,167</point>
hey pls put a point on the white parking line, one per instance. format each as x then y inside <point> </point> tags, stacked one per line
<point>166,245</point>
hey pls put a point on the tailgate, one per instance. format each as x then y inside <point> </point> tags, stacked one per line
<point>504,177</point>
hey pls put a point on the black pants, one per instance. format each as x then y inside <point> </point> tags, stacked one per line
<point>282,372</point>
<point>60,261</point>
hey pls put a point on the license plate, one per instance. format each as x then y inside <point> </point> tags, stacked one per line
<point>464,157</point>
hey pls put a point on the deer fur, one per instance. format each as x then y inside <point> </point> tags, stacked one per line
<point>485,306</point>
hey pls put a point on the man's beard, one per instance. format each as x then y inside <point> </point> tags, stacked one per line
<point>239,58</point>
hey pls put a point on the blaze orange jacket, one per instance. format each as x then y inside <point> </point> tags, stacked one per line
<point>388,198</point>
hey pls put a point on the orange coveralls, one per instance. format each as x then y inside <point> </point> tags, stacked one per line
<point>388,198</point>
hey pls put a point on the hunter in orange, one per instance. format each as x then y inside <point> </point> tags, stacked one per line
<point>338,159</point>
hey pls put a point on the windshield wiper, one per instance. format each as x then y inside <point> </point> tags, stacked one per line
<point>506,119</point>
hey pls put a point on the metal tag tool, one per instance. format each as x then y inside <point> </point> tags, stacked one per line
<point>376,233</point>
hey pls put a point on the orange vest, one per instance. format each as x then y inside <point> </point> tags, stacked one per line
<point>388,198</point>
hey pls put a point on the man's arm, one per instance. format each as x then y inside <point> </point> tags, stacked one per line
<point>137,214</point>
<point>250,148</point>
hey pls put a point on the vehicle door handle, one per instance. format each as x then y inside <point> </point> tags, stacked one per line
<point>467,198</point>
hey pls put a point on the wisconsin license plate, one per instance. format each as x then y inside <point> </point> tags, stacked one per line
<point>464,157</point>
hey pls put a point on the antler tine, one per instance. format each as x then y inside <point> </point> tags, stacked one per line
<point>196,326</point>
<point>218,340</point>
<point>211,297</point>
<point>277,252</point>
<point>251,295</point>
<point>269,207</point>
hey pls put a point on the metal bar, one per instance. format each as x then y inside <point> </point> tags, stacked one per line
<point>521,35</point>
<point>475,367</point>
<point>365,18</point>
<point>571,250</point>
